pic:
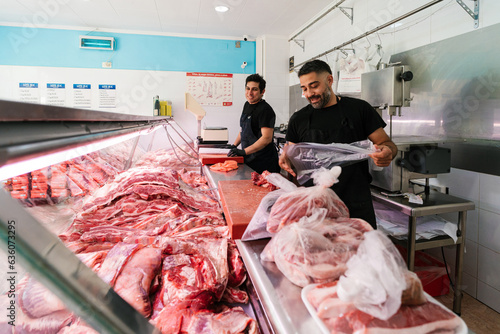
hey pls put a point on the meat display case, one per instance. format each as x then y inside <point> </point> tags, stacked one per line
<point>35,136</point>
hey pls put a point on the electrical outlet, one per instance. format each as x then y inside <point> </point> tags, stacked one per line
<point>107,64</point>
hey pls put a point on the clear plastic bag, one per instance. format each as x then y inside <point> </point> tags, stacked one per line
<point>316,249</point>
<point>292,206</point>
<point>308,157</point>
<point>375,277</point>
<point>256,229</point>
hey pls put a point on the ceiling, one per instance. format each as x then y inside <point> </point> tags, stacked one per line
<point>245,17</point>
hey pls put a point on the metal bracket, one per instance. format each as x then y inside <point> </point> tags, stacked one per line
<point>474,14</point>
<point>351,16</point>
<point>298,42</point>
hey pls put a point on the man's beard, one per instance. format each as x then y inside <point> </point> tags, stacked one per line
<point>324,99</point>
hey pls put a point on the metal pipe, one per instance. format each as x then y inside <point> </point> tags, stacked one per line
<point>432,3</point>
<point>319,18</point>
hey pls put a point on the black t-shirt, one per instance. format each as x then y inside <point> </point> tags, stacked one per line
<point>263,116</point>
<point>362,119</point>
<point>348,121</point>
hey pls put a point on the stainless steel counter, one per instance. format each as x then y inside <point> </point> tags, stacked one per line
<point>281,300</point>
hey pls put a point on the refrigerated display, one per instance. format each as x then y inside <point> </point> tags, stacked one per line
<point>107,223</point>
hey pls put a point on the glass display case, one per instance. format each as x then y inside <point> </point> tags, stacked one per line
<point>92,203</point>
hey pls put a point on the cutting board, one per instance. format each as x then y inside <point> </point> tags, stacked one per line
<point>240,199</point>
<point>210,159</point>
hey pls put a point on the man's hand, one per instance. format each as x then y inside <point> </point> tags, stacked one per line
<point>285,163</point>
<point>383,157</point>
<point>234,152</point>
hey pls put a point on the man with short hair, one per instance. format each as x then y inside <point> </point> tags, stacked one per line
<point>339,119</point>
<point>257,129</point>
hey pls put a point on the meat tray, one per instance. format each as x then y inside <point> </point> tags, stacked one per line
<point>462,329</point>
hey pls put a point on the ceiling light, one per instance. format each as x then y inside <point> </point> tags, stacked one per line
<point>221,9</point>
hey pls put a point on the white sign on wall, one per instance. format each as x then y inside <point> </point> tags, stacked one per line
<point>56,94</point>
<point>82,96</point>
<point>28,92</point>
<point>107,96</point>
<point>211,89</point>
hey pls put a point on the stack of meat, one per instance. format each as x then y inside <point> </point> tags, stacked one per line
<point>73,178</point>
<point>159,239</point>
<point>416,315</point>
<point>316,248</point>
<point>313,236</point>
<point>179,157</point>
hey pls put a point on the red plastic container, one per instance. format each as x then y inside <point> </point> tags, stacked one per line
<point>431,272</point>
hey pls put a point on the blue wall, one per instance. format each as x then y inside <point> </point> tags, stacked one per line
<point>26,46</point>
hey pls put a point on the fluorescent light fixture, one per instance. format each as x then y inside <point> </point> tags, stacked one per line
<point>97,42</point>
<point>25,166</point>
<point>221,9</point>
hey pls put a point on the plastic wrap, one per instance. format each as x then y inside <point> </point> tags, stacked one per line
<point>308,157</point>
<point>257,228</point>
<point>375,278</point>
<point>315,249</point>
<point>292,206</point>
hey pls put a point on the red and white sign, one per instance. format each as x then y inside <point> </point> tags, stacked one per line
<point>211,89</point>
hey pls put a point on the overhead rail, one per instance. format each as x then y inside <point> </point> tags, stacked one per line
<point>319,18</point>
<point>385,25</point>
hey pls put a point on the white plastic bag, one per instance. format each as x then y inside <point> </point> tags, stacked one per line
<point>375,277</point>
<point>315,249</point>
<point>256,229</point>
<point>308,157</point>
<point>292,206</point>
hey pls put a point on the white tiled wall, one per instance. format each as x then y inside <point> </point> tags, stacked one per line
<point>444,20</point>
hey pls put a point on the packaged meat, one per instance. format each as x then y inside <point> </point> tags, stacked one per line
<point>292,206</point>
<point>376,278</point>
<point>315,249</point>
<point>332,315</point>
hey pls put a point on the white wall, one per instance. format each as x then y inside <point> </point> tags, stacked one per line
<point>135,91</point>
<point>443,20</point>
<point>275,71</point>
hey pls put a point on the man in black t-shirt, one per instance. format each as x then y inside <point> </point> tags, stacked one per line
<point>334,119</point>
<point>257,129</point>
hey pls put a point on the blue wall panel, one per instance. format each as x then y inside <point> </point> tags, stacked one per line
<point>26,46</point>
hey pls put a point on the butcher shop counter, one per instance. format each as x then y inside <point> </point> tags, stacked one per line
<point>279,298</point>
<point>213,177</point>
<point>433,203</point>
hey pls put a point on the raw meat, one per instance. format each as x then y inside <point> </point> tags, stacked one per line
<point>225,166</point>
<point>197,277</point>
<point>422,319</point>
<point>316,249</point>
<point>343,317</point>
<point>135,279</point>
<point>51,323</point>
<point>179,157</point>
<point>116,258</point>
<point>260,180</point>
<point>292,206</point>
<point>235,295</point>
<point>77,329</point>
<point>36,301</point>
<point>232,321</point>
<point>237,271</point>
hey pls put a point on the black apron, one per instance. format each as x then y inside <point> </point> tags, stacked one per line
<point>353,187</point>
<point>265,159</point>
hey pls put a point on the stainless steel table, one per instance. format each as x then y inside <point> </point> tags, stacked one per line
<point>280,299</point>
<point>433,203</point>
